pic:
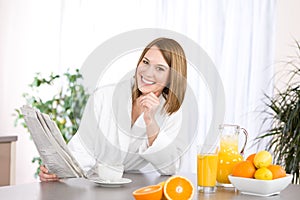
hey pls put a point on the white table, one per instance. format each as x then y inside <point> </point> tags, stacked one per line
<point>81,189</point>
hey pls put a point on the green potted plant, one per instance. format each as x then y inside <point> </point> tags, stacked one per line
<point>283,114</point>
<point>65,107</point>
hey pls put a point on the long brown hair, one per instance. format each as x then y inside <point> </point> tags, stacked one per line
<point>175,57</point>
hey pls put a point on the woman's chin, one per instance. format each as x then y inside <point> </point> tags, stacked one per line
<point>145,90</point>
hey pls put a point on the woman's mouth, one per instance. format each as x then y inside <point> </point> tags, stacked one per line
<point>148,82</point>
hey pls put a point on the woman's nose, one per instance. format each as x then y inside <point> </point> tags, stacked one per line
<point>148,71</point>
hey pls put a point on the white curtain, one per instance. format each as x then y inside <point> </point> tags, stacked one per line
<point>237,35</point>
<point>56,35</point>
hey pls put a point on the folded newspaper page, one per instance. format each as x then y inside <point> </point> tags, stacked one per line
<point>50,144</point>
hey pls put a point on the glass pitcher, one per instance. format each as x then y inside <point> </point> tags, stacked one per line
<point>229,154</point>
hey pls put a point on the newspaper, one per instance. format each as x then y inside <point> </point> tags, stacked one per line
<point>50,144</point>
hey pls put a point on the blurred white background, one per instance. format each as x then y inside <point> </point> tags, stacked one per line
<point>245,39</point>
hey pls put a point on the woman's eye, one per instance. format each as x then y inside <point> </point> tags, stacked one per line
<point>160,69</point>
<point>145,62</point>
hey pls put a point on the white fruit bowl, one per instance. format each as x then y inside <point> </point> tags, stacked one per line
<point>260,187</point>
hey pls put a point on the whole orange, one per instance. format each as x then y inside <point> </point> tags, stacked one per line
<point>244,169</point>
<point>277,171</point>
<point>251,157</point>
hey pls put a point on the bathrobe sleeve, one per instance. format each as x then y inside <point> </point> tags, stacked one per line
<point>165,152</point>
<point>85,156</point>
<point>85,160</point>
<point>97,138</point>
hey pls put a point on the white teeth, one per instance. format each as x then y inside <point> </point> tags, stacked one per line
<point>147,82</point>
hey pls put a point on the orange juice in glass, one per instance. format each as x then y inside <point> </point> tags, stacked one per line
<point>229,154</point>
<point>207,165</point>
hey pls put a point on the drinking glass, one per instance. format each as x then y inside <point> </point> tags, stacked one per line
<point>207,165</point>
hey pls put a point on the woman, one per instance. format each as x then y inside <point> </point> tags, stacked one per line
<point>134,124</point>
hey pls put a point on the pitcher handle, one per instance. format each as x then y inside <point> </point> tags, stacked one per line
<point>246,138</point>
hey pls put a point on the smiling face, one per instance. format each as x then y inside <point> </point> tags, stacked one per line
<point>153,72</point>
<point>162,69</point>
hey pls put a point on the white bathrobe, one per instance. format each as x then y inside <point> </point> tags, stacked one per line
<point>106,135</point>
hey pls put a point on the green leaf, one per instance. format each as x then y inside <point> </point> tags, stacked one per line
<point>68,103</point>
<point>283,116</point>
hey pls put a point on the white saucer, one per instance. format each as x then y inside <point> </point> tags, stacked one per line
<point>108,183</point>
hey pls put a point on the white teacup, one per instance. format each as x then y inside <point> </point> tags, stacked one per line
<point>110,172</point>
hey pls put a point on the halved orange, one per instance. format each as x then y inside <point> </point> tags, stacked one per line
<point>163,185</point>
<point>178,188</point>
<point>153,192</point>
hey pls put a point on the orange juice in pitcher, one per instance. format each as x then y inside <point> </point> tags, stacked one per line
<point>229,154</point>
